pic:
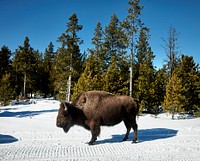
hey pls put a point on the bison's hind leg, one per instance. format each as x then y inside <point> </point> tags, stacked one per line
<point>135,133</point>
<point>135,128</point>
<point>128,127</point>
<point>131,123</point>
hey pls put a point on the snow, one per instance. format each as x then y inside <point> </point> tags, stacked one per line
<point>29,132</point>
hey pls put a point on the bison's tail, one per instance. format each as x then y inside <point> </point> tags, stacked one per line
<point>138,107</point>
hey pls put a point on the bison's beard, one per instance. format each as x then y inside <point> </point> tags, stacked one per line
<point>66,128</point>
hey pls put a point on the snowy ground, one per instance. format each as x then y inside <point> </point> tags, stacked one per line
<point>28,132</point>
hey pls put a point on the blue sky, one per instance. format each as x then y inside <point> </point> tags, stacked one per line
<point>44,21</point>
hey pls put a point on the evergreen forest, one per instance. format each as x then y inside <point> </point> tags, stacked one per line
<point>120,61</point>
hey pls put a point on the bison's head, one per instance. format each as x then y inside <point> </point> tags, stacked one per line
<point>64,119</point>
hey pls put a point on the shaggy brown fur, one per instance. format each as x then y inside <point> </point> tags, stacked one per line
<point>95,108</point>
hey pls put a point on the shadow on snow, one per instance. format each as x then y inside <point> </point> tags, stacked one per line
<point>143,135</point>
<point>25,113</point>
<point>5,139</point>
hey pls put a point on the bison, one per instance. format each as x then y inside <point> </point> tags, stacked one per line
<point>95,108</point>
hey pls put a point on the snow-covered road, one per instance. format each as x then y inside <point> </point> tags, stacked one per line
<point>28,132</point>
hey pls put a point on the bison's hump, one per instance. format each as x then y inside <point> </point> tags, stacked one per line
<point>90,99</point>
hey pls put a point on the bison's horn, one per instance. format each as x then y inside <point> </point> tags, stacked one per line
<point>65,106</point>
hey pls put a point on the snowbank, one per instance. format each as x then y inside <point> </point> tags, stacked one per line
<point>28,132</point>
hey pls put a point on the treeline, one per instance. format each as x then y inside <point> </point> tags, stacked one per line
<point>119,49</point>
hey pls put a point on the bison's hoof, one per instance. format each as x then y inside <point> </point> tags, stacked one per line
<point>91,143</point>
<point>125,139</point>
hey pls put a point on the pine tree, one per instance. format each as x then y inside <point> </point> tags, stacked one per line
<point>60,72</point>
<point>49,57</point>
<point>144,85</point>
<point>69,57</point>
<point>116,80</point>
<point>182,91</point>
<point>146,72</point>
<point>144,53</point>
<point>47,65</point>
<point>98,50</point>
<point>131,25</point>
<point>159,88</point>
<point>112,77</point>
<point>91,78</point>
<point>173,101</point>
<point>114,40</point>
<point>188,72</point>
<point>24,63</point>
<point>6,90</point>
<point>123,67</point>
<point>114,47</point>
<point>39,77</point>
<point>5,62</point>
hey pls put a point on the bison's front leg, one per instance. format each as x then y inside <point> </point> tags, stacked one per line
<point>95,131</point>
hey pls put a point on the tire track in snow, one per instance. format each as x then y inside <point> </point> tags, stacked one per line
<point>59,146</point>
<point>51,145</point>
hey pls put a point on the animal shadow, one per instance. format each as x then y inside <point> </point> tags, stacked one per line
<point>24,113</point>
<point>143,135</point>
<point>5,139</point>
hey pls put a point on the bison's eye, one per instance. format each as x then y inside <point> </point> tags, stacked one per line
<point>66,114</point>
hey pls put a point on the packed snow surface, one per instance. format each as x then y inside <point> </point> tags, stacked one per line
<point>29,132</point>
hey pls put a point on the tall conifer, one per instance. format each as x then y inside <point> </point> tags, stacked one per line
<point>24,63</point>
<point>146,72</point>
<point>131,25</point>
<point>5,62</point>
<point>182,90</point>
<point>69,59</point>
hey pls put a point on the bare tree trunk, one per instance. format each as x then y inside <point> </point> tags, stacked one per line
<point>69,88</point>
<point>131,63</point>
<point>24,85</point>
<point>69,80</point>
<point>171,47</point>
<point>131,74</point>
